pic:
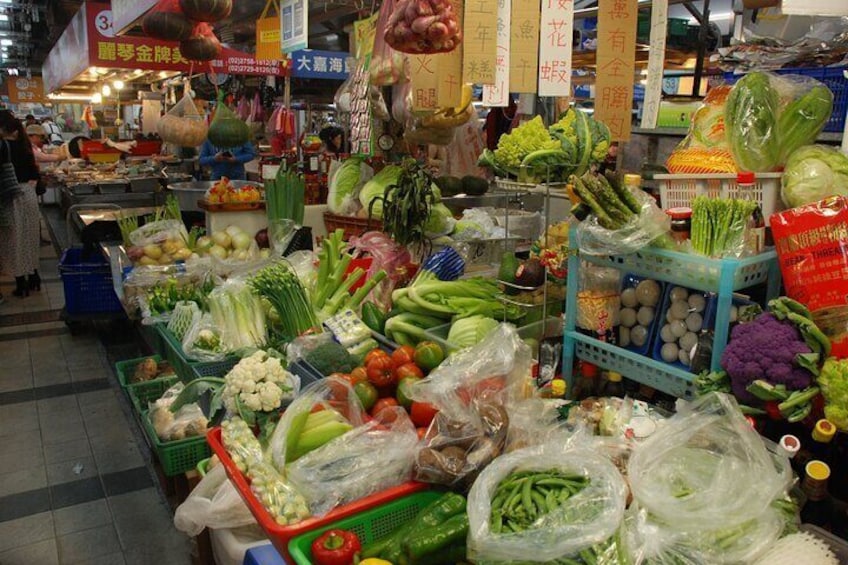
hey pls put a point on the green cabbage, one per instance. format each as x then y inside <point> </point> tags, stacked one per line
<point>375,189</point>
<point>440,221</point>
<point>469,331</point>
<point>812,173</point>
<point>341,198</point>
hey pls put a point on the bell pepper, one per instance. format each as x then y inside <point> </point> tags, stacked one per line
<point>374,561</point>
<point>335,547</point>
<point>373,317</point>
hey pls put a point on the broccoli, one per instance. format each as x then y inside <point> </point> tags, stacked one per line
<point>765,349</point>
<point>833,381</point>
<point>331,357</point>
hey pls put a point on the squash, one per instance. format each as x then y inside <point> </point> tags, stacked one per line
<point>170,26</point>
<point>183,125</point>
<point>206,10</point>
<point>202,45</point>
<point>227,130</point>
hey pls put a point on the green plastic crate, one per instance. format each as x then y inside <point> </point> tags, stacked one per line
<point>151,337</point>
<point>142,394</point>
<point>369,526</point>
<point>176,457</point>
<point>187,369</point>
<point>125,369</point>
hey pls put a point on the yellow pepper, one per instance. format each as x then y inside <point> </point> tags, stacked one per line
<point>374,561</point>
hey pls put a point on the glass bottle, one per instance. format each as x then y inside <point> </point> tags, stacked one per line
<point>817,510</point>
<point>613,386</point>
<point>585,386</point>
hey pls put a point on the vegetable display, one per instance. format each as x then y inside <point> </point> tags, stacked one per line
<point>311,430</point>
<point>374,191</point>
<point>335,547</point>
<point>813,173</point>
<point>833,380</point>
<point>343,186</point>
<point>406,205</point>
<point>239,315</point>
<point>257,383</point>
<point>719,225</point>
<point>223,192</point>
<point>611,203</point>
<point>524,497</point>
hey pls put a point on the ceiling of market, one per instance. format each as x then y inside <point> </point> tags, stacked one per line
<point>31,27</point>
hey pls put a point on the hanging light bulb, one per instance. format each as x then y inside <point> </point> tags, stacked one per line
<point>106,90</point>
<point>118,84</point>
<point>97,98</point>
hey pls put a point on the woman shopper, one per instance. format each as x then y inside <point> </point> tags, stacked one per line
<point>19,240</point>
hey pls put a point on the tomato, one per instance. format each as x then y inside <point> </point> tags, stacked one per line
<point>342,376</point>
<point>422,414</point>
<point>403,391</point>
<point>366,393</point>
<point>403,355</point>
<point>359,375</point>
<point>422,432</point>
<point>375,354</point>
<point>339,389</point>
<point>382,403</point>
<point>387,415</point>
<point>429,355</point>
<point>408,370</point>
<point>381,371</point>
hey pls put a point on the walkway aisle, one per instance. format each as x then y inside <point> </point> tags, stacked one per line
<point>74,483</point>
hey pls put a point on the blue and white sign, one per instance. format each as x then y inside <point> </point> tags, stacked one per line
<point>311,63</point>
<point>294,24</point>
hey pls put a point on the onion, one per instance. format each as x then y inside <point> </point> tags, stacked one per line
<point>241,241</point>
<point>153,251</point>
<point>218,251</point>
<point>204,243</point>
<point>221,239</point>
<point>233,230</point>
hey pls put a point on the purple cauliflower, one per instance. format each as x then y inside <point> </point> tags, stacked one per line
<point>765,349</point>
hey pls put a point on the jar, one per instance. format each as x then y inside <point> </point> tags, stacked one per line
<point>681,222</point>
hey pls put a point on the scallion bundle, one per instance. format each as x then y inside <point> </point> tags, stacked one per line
<point>279,284</point>
<point>285,196</point>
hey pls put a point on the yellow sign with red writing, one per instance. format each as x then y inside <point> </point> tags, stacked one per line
<point>524,47</point>
<point>24,90</point>
<point>616,65</point>
<point>449,92</point>
<point>424,74</point>
<point>479,41</point>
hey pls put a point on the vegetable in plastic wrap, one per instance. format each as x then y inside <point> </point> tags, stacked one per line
<point>750,116</point>
<point>813,173</point>
<point>705,148</point>
<point>833,381</point>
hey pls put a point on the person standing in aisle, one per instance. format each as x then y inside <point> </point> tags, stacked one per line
<point>227,162</point>
<point>19,240</point>
<point>37,136</point>
<point>53,131</point>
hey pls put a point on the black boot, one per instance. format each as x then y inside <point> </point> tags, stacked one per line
<point>34,281</point>
<point>21,287</point>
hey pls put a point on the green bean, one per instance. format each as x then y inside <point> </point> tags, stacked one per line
<point>526,498</point>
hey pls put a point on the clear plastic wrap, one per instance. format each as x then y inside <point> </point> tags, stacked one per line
<point>706,469</point>
<point>202,342</point>
<point>651,224</point>
<point>590,517</point>
<point>241,445</point>
<point>214,503</point>
<point>327,394</point>
<point>346,469</point>
<point>705,148</point>
<point>158,232</point>
<point>188,421</point>
<point>280,499</point>
<point>422,27</point>
<point>387,66</point>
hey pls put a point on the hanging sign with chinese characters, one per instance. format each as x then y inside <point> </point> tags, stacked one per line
<point>498,94</point>
<point>26,90</point>
<point>524,47</point>
<point>449,91</point>
<point>616,65</point>
<point>360,112</point>
<point>556,35</point>
<point>310,63</point>
<point>479,42</point>
<point>656,62</point>
<point>294,24</point>
<point>424,81</point>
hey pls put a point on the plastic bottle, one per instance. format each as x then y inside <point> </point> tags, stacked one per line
<point>818,509</point>
<point>755,237</point>
<point>817,445</point>
<point>613,386</point>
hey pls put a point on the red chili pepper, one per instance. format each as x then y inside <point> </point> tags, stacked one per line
<point>773,411</point>
<point>335,547</point>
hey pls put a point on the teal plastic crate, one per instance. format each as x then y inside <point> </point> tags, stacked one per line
<point>369,526</point>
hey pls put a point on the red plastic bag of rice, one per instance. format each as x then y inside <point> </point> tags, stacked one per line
<point>812,246</point>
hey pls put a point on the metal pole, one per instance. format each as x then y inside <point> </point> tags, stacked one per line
<point>702,49</point>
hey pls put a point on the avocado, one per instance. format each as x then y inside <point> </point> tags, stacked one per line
<point>474,186</point>
<point>530,274</point>
<point>450,186</point>
<point>509,265</point>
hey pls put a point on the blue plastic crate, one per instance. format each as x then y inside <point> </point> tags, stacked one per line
<point>88,283</point>
<point>835,80</point>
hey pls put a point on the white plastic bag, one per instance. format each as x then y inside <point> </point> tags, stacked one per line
<point>202,342</point>
<point>587,518</point>
<point>214,503</point>
<point>650,224</point>
<point>157,232</point>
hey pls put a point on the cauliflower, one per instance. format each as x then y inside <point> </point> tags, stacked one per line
<point>765,349</point>
<point>259,382</point>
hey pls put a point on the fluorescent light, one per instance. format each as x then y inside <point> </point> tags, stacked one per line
<point>12,72</point>
<point>96,98</point>
<point>4,18</point>
<point>5,1</point>
<point>106,90</point>
<point>118,84</point>
<point>6,42</point>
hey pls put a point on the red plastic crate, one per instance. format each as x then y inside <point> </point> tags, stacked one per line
<point>281,535</point>
<point>143,148</point>
<point>89,147</point>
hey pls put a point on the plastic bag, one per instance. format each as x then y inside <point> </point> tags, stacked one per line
<point>346,469</point>
<point>639,232</point>
<point>156,233</point>
<point>587,518</point>
<point>188,421</point>
<point>343,96</point>
<point>422,28</point>
<point>202,342</point>
<point>183,125</point>
<point>387,66</point>
<point>705,148</point>
<point>214,503</point>
<point>241,445</point>
<point>706,469</point>
<point>327,394</point>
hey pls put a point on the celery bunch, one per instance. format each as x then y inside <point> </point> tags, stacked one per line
<point>239,315</point>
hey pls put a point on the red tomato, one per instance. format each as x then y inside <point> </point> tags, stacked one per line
<point>387,415</point>
<point>421,432</point>
<point>409,370</point>
<point>383,403</point>
<point>359,375</point>
<point>381,371</point>
<point>422,414</point>
<point>403,355</point>
<point>375,354</point>
<point>403,391</point>
<point>342,376</point>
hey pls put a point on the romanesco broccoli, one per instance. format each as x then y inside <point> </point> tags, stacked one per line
<point>528,137</point>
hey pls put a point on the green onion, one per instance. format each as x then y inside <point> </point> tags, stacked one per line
<point>279,284</point>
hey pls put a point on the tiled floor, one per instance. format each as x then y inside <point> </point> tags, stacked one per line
<point>74,483</point>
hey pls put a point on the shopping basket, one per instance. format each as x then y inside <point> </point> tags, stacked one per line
<point>177,456</point>
<point>281,536</point>
<point>87,280</point>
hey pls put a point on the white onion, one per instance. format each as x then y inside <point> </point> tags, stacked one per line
<point>218,251</point>
<point>221,239</point>
<point>241,241</point>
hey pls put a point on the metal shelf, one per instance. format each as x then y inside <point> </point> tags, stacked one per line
<point>832,137</point>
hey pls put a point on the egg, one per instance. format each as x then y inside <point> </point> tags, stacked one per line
<point>688,341</point>
<point>628,298</point>
<point>666,335</point>
<point>669,352</point>
<point>623,336</point>
<point>679,293</point>
<point>683,357</point>
<point>627,317</point>
<point>639,335</point>
<point>678,328</point>
<point>648,292</point>
<point>645,315</point>
<point>694,322</point>
<point>679,310</point>
<point>697,302</point>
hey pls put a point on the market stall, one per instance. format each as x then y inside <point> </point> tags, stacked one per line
<point>506,348</point>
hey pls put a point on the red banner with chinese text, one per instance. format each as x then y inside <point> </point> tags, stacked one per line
<point>616,65</point>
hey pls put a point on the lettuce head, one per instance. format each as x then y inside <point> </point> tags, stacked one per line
<point>813,173</point>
